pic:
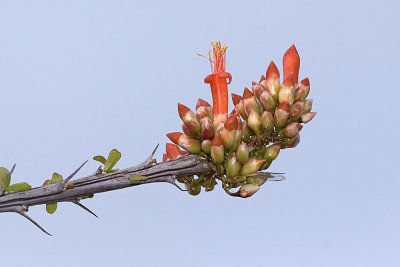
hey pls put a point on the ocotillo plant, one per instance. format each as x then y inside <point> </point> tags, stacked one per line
<point>264,120</point>
<point>213,147</point>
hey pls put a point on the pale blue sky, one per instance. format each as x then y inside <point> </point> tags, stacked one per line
<point>78,78</point>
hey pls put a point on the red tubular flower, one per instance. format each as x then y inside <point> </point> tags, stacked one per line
<point>219,79</point>
<point>291,64</point>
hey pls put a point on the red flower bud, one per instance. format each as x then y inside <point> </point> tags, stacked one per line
<point>296,110</point>
<point>191,145</point>
<point>189,118</point>
<point>207,128</point>
<point>292,129</point>
<point>248,190</point>
<point>291,64</point>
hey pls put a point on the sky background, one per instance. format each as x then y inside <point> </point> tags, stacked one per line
<point>78,78</point>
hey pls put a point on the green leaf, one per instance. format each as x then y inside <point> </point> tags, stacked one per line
<point>19,187</point>
<point>56,178</point>
<point>112,159</point>
<point>5,177</point>
<point>100,159</point>
<point>137,178</point>
<point>51,207</point>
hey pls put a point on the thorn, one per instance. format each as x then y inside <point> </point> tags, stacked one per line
<point>154,150</point>
<point>73,174</point>
<point>84,207</point>
<point>21,212</point>
<point>12,169</point>
<point>149,161</point>
<point>173,182</point>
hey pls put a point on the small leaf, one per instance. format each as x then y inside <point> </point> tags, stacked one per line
<point>5,177</point>
<point>19,187</point>
<point>51,207</point>
<point>100,159</point>
<point>86,196</point>
<point>56,178</point>
<point>47,182</point>
<point>137,178</point>
<point>112,159</point>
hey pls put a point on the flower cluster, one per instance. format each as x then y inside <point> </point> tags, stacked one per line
<point>266,119</point>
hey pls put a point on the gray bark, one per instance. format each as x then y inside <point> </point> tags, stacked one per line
<point>71,191</point>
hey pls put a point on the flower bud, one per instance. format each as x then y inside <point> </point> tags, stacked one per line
<point>204,109</point>
<point>242,153</point>
<point>250,102</point>
<point>239,133</point>
<point>217,150</point>
<point>296,110</point>
<point>246,132</point>
<point>164,158</point>
<point>257,90</point>
<point>281,114</point>
<point>252,166</point>
<point>232,167</point>
<point>188,131</point>
<point>193,146</point>
<point>189,118</point>
<point>173,151</point>
<point>255,123</point>
<point>219,120</point>
<point>292,129</point>
<point>206,146</point>
<point>286,94</point>
<point>193,188</point>
<point>271,82</point>
<point>308,116</point>
<point>291,64</point>
<point>292,142</point>
<point>307,105</point>
<point>272,152</point>
<point>267,101</point>
<point>302,90</point>
<point>207,128</point>
<point>228,132</point>
<point>237,101</point>
<point>248,190</point>
<point>267,120</point>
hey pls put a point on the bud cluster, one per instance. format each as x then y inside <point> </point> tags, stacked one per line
<point>266,119</point>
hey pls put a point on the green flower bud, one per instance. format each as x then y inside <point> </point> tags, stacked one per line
<point>254,122</point>
<point>252,166</point>
<point>272,152</point>
<point>242,153</point>
<point>232,167</point>
<point>217,150</point>
<point>307,105</point>
<point>267,120</point>
<point>206,146</point>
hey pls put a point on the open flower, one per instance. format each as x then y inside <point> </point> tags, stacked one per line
<point>219,79</point>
